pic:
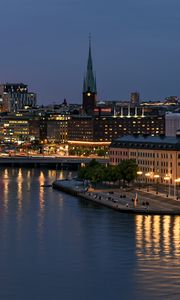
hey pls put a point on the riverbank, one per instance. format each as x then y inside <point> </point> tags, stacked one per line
<point>122,200</point>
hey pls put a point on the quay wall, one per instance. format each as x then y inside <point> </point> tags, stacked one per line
<point>69,188</point>
<point>63,188</point>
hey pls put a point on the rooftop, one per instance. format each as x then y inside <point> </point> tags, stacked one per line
<point>147,142</point>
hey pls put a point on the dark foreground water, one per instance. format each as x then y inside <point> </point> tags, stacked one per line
<point>54,246</point>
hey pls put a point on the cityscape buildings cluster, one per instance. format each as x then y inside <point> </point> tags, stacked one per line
<point>88,128</point>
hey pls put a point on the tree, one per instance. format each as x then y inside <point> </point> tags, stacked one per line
<point>83,173</point>
<point>94,171</point>
<point>128,170</point>
<point>97,173</point>
<point>93,163</point>
<point>111,174</point>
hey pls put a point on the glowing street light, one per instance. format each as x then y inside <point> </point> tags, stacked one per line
<point>156,176</point>
<point>147,176</point>
<point>177,181</point>
<point>139,173</point>
<point>167,179</point>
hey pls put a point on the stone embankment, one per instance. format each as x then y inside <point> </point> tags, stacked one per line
<point>122,200</point>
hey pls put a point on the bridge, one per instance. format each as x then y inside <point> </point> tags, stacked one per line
<point>57,161</point>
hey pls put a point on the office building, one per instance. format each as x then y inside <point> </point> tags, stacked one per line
<point>15,96</point>
<point>14,128</point>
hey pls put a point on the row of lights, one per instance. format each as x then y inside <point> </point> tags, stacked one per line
<point>156,176</point>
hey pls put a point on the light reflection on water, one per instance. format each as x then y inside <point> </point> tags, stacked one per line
<point>158,255</point>
<point>156,235</point>
<point>41,206</point>
<point>65,244</point>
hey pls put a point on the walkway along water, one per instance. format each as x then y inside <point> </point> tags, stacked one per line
<point>126,201</point>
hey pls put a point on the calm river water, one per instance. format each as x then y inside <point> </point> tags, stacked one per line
<point>55,246</point>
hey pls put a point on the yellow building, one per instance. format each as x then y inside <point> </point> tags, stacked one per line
<point>156,157</point>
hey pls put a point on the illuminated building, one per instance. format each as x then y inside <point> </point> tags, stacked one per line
<point>38,128</point>
<point>107,128</point>
<point>11,88</point>
<point>22,101</point>
<point>14,128</point>
<point>49,127</point>
<point>80,128</point>
<point>57,128</point>
<point>171,100</point>
<point>154,155</point>
<point>15,96</point>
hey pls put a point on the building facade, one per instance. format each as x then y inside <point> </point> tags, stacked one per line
<point>156,157</point>
<point>15,96</point>
<point>14,128</point>
<point>80,128</point>
<point>57,128</point>
<point>172,123</point>
<point>108,128</point>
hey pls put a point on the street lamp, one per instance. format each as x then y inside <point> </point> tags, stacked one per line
<point>167,179</point>
<point>139,173</point>
<point>147,176</point>
<point>157,181</point>
<point>177,181</point>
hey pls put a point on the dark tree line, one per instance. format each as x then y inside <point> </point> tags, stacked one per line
<point>124,172</point>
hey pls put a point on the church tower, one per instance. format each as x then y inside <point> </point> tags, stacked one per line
<point>89,86</point>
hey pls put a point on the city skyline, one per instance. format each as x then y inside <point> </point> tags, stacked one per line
<point>135,47</point>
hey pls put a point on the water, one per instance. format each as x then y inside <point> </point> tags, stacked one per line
<point>54,246</point>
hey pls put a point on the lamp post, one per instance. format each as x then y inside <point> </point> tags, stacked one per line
<point>157,182</point>
<point>167,179</point>
<point>176,185</point>
<point>147,176</point>
<point>139,173</point>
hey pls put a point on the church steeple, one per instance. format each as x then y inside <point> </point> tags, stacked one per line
<point>89,80</point>
<point>89,85</point>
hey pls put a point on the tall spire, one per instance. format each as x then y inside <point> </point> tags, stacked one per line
<point>89,80</point>
<point>89,65</point>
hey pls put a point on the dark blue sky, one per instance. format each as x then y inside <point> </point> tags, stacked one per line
<point>135,46</point>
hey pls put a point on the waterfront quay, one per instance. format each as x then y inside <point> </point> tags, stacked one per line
<point>122,200</point>
<point>57,161</point>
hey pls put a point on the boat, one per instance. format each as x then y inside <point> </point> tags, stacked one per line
<point>46,185</point>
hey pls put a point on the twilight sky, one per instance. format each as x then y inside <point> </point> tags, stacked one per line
<point>135,46</point>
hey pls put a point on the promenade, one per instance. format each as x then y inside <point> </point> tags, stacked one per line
<point>123,200</point>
